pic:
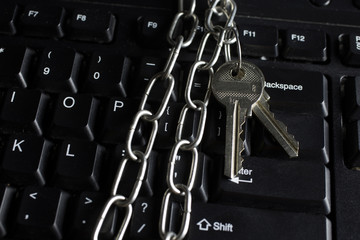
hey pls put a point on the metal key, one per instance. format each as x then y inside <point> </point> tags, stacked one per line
<point>277,128</point>
<point>242,95</point>
<point>237,91</point>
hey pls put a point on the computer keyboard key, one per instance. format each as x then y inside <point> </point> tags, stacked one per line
<point>78,165</point>
<point>144,226</point>
<point>132,170</point>
<point>58,70</point>
<point>15,65</point>
<point>215,222</point>
<point>8,13</point>
<point>25,159</point>
<point>7,196</point>
<point>41,213</point>
<point>145,69</point>
<point>292,185</point>
<point>182,168</point>
<point>86,210</point>
<point>351,146</point>
<point>167,126</point>
<point>351,101</point>
<point>349,48</point>
<point>108,75</point>
<point>308,45</point>
<point>92,25</point>
<point>116,119</point>
<point>23,110</point>
<point>297,91</point>
<point>152,30</point>
<point>259,41</point>
<point>74,116</point>
<point>42,21</point>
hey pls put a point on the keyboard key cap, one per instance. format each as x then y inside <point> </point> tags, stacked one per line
<point>87,209</point>
<point>108,75</point>
<point>183,161</point>
<point>293,185</point>
<point>7,195</point>
<point>78,165</point>
<point>213,221</point>
<point>308,45</point>
<point>167,126</point>
<point>259,41</point>
<point>349,49</point>
<point>132,168</point>
<point>23,111</point>
<point>117,117</point>
<point>297,91</point>
<point>310,130</point>
<point>144,226</point>
<point>42,21</point>
<point>25,159</point>
<point>352,98</point>
<point>91,25</point>
<point>15,64</point>
<point>41,213</point>
<point>352,149</point>
<point>59,70</point>
<point>152,29</point>
<point>74,116</point>
<point>8,13</point>
<point>145,69</point>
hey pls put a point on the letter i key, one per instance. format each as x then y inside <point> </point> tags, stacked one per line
<point>242,92</point>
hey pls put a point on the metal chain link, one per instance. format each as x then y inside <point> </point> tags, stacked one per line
<point>224,36</point>
<point>181,192</point>
<point>117,198</point>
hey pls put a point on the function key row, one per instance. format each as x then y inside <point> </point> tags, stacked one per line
<point>57,22</point>
<point>256,40</point>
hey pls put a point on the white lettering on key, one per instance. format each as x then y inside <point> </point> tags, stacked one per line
<point>284,86</point>
<point>118,104</point>
<point>69,102</point>
<point>152,25</point>
<point>81,17</point>
<point>223,227</point>
<point>17,145</point>
<point>68,154</point>
<point>33,13</point>
<point>297,37</point>
<point>249,33</point>
<point>357,42</point>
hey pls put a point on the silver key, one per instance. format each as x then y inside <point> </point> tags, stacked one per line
<point>243,95</point>
<point>237,92</point>
<point>277,128</point>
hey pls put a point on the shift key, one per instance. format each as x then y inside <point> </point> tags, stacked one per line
<point>296,91</point>
<point>219,222</point>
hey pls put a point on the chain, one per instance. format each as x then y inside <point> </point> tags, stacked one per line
<point>141,157</point>
<point>181,192</point>
<point>224,35</point>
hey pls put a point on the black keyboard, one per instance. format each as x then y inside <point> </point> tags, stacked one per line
<point>72,74</point>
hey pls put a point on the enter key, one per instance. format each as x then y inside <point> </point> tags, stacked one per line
<point>291,185</point>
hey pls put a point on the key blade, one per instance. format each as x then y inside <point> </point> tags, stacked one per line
<point>277,128</point>
<point>234,145</point>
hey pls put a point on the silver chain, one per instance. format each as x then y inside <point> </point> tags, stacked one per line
<point>224,36</point>
<point>181,192</point>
